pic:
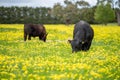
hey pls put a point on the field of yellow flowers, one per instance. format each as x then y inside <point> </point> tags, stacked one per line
<point>54,60</point>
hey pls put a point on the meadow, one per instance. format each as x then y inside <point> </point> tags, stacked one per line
<point>53,60</point>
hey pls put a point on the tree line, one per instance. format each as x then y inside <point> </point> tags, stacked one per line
<point>73,11</point>
<point>16,14</point>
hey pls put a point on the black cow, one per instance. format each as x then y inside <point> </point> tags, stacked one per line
<point>34,30</point>
<point>82,37</point>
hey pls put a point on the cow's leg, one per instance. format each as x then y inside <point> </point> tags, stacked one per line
<point>25,36</point>
<point>89,44</point>
<point>84,46</point>
<point>29,37</point>
<point>40,37</point>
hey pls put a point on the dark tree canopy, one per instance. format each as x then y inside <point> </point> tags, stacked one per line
<point>71,12</point>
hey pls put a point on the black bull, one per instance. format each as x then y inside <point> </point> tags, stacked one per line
<point>34,30</point>
<point>82,37</point>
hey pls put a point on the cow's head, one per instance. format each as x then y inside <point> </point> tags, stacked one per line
<point>76,45</point>
<point>44,37</point>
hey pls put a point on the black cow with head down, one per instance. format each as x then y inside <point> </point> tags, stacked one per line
<point>34,30</point>
<point>82,37</point>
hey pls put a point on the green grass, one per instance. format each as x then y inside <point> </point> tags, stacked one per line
<point>54,60</point>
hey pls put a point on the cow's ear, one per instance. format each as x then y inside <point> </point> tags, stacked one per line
<point>69,41</point>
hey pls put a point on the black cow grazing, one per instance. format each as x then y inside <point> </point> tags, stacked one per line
<point>82,37</point>
<point>34,30</point>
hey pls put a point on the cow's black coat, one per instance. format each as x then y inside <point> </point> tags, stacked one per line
<point>82,36</point>
<point>34,30</point>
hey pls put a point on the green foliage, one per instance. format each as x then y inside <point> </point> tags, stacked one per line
<point>104,13</point>
<point>70,12</point>
<point>25,15</point>
<point>57,12</point>
<point>73,11</point>
<point>53,60</point>
<point>87,14</point>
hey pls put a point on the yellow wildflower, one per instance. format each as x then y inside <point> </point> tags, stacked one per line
<point>96,75</point>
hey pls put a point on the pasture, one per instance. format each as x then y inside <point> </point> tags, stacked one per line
<point>54,60</point>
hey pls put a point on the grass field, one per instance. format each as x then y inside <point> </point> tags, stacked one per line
<point>53,60</point>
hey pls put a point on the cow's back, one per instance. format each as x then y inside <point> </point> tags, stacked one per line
<point>35,30</point>
<point>31,28</point>
<point>42,28</point>
<point>27,28</point>
<point>84,29</point>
